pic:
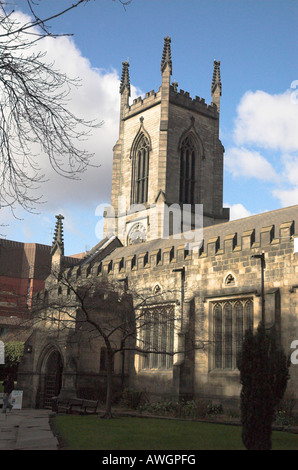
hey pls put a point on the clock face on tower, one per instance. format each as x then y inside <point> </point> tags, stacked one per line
<point>137,234</point>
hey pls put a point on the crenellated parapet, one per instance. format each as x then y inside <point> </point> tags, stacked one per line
<point>140,104</point>
<point>169,92</point>
<point>218,241</point>
<point>177,97</point>
<point>182,98</point>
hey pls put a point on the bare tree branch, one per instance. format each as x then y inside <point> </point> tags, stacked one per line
<point>35,117</point>
<point>97,308</point>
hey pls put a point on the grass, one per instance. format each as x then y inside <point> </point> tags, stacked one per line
<point>93,433</point>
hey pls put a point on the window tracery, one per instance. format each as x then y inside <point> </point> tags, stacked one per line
<point>187,171</point>
<point>158,337</point>
<point>140,171</point>
<point>231,318</point>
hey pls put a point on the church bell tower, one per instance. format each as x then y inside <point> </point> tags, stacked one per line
<point>168,160</point>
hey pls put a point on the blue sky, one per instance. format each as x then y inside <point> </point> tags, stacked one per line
<point>256,42</point>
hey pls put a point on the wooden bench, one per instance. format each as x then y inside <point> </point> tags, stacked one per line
<point>89,407</point>
<point>74,406</point>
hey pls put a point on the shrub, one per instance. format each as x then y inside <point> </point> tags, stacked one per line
<point>14,351</point>
<point>287,405</point>
<point>282,418</point>
<point>201,410</point>
<point>185,409</point>
<point>133,398</point>
<point>263,374</point>
<point>215,409</point>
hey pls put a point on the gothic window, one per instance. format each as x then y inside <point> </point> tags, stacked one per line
<point>228,329</point>
<point>218,335</point>
<point>230,280</point>
<point>158,337</point>
<point>230,321</point>
<point>140,171</point>
<point>156,289</point>
<point>239,325</point>
<point>187,171</point>
<point>249,315</point>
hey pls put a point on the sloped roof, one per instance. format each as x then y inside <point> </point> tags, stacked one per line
<point>255,222</point>
<point>106,245</point>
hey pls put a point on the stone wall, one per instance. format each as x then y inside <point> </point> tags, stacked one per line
<point>224,252</point>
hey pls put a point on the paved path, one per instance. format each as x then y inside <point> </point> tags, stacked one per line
<point>27,429</point>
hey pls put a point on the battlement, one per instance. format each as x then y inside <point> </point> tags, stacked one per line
<point>220,248</point>
<point>218,240</point>
<point>177,253</point>
<point>182,98</point>
<point>141,104</point>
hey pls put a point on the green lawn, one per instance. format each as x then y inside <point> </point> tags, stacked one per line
<point>93,433</point>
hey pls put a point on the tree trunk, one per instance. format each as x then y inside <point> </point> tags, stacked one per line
<point>108,412</point>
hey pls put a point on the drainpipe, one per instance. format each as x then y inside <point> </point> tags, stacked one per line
<point>181,333</point>
<point>263,266</point>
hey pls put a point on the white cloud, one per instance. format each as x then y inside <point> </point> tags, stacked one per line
<point>287,197</point>
<point>249,163</point>
<point>268,121</point>
<point>288,192</point>
<point>290,168</point>
<point>97,97</point>
<point>238,211</point>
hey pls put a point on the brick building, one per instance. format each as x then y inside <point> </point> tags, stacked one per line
<point>168,155</point>
<point>24,267</point>
<point>23,270</point>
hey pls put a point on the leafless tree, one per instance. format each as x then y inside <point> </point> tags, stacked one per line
<point>122,318</point>
<point>34,108</point>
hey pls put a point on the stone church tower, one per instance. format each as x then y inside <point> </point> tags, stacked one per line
<point>168,161</point>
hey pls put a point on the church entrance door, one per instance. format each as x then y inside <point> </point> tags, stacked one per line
<point>53,378</point>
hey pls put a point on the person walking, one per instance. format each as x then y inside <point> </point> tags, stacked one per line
<point>8,386</point>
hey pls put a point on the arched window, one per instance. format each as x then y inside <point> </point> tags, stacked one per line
<point>140,171</point>
<point>231,318</point>
<point>239,326</point>
<point>249,315</point>
<point>158,336</point>
<point>218,335</point>
<point>187,171</point>
<point>228,336</point>
<point>230,280</point>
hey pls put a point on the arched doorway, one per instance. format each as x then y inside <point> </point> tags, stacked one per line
<point>53,378</point>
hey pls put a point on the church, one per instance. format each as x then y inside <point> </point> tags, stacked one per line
<point>166,232</point>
